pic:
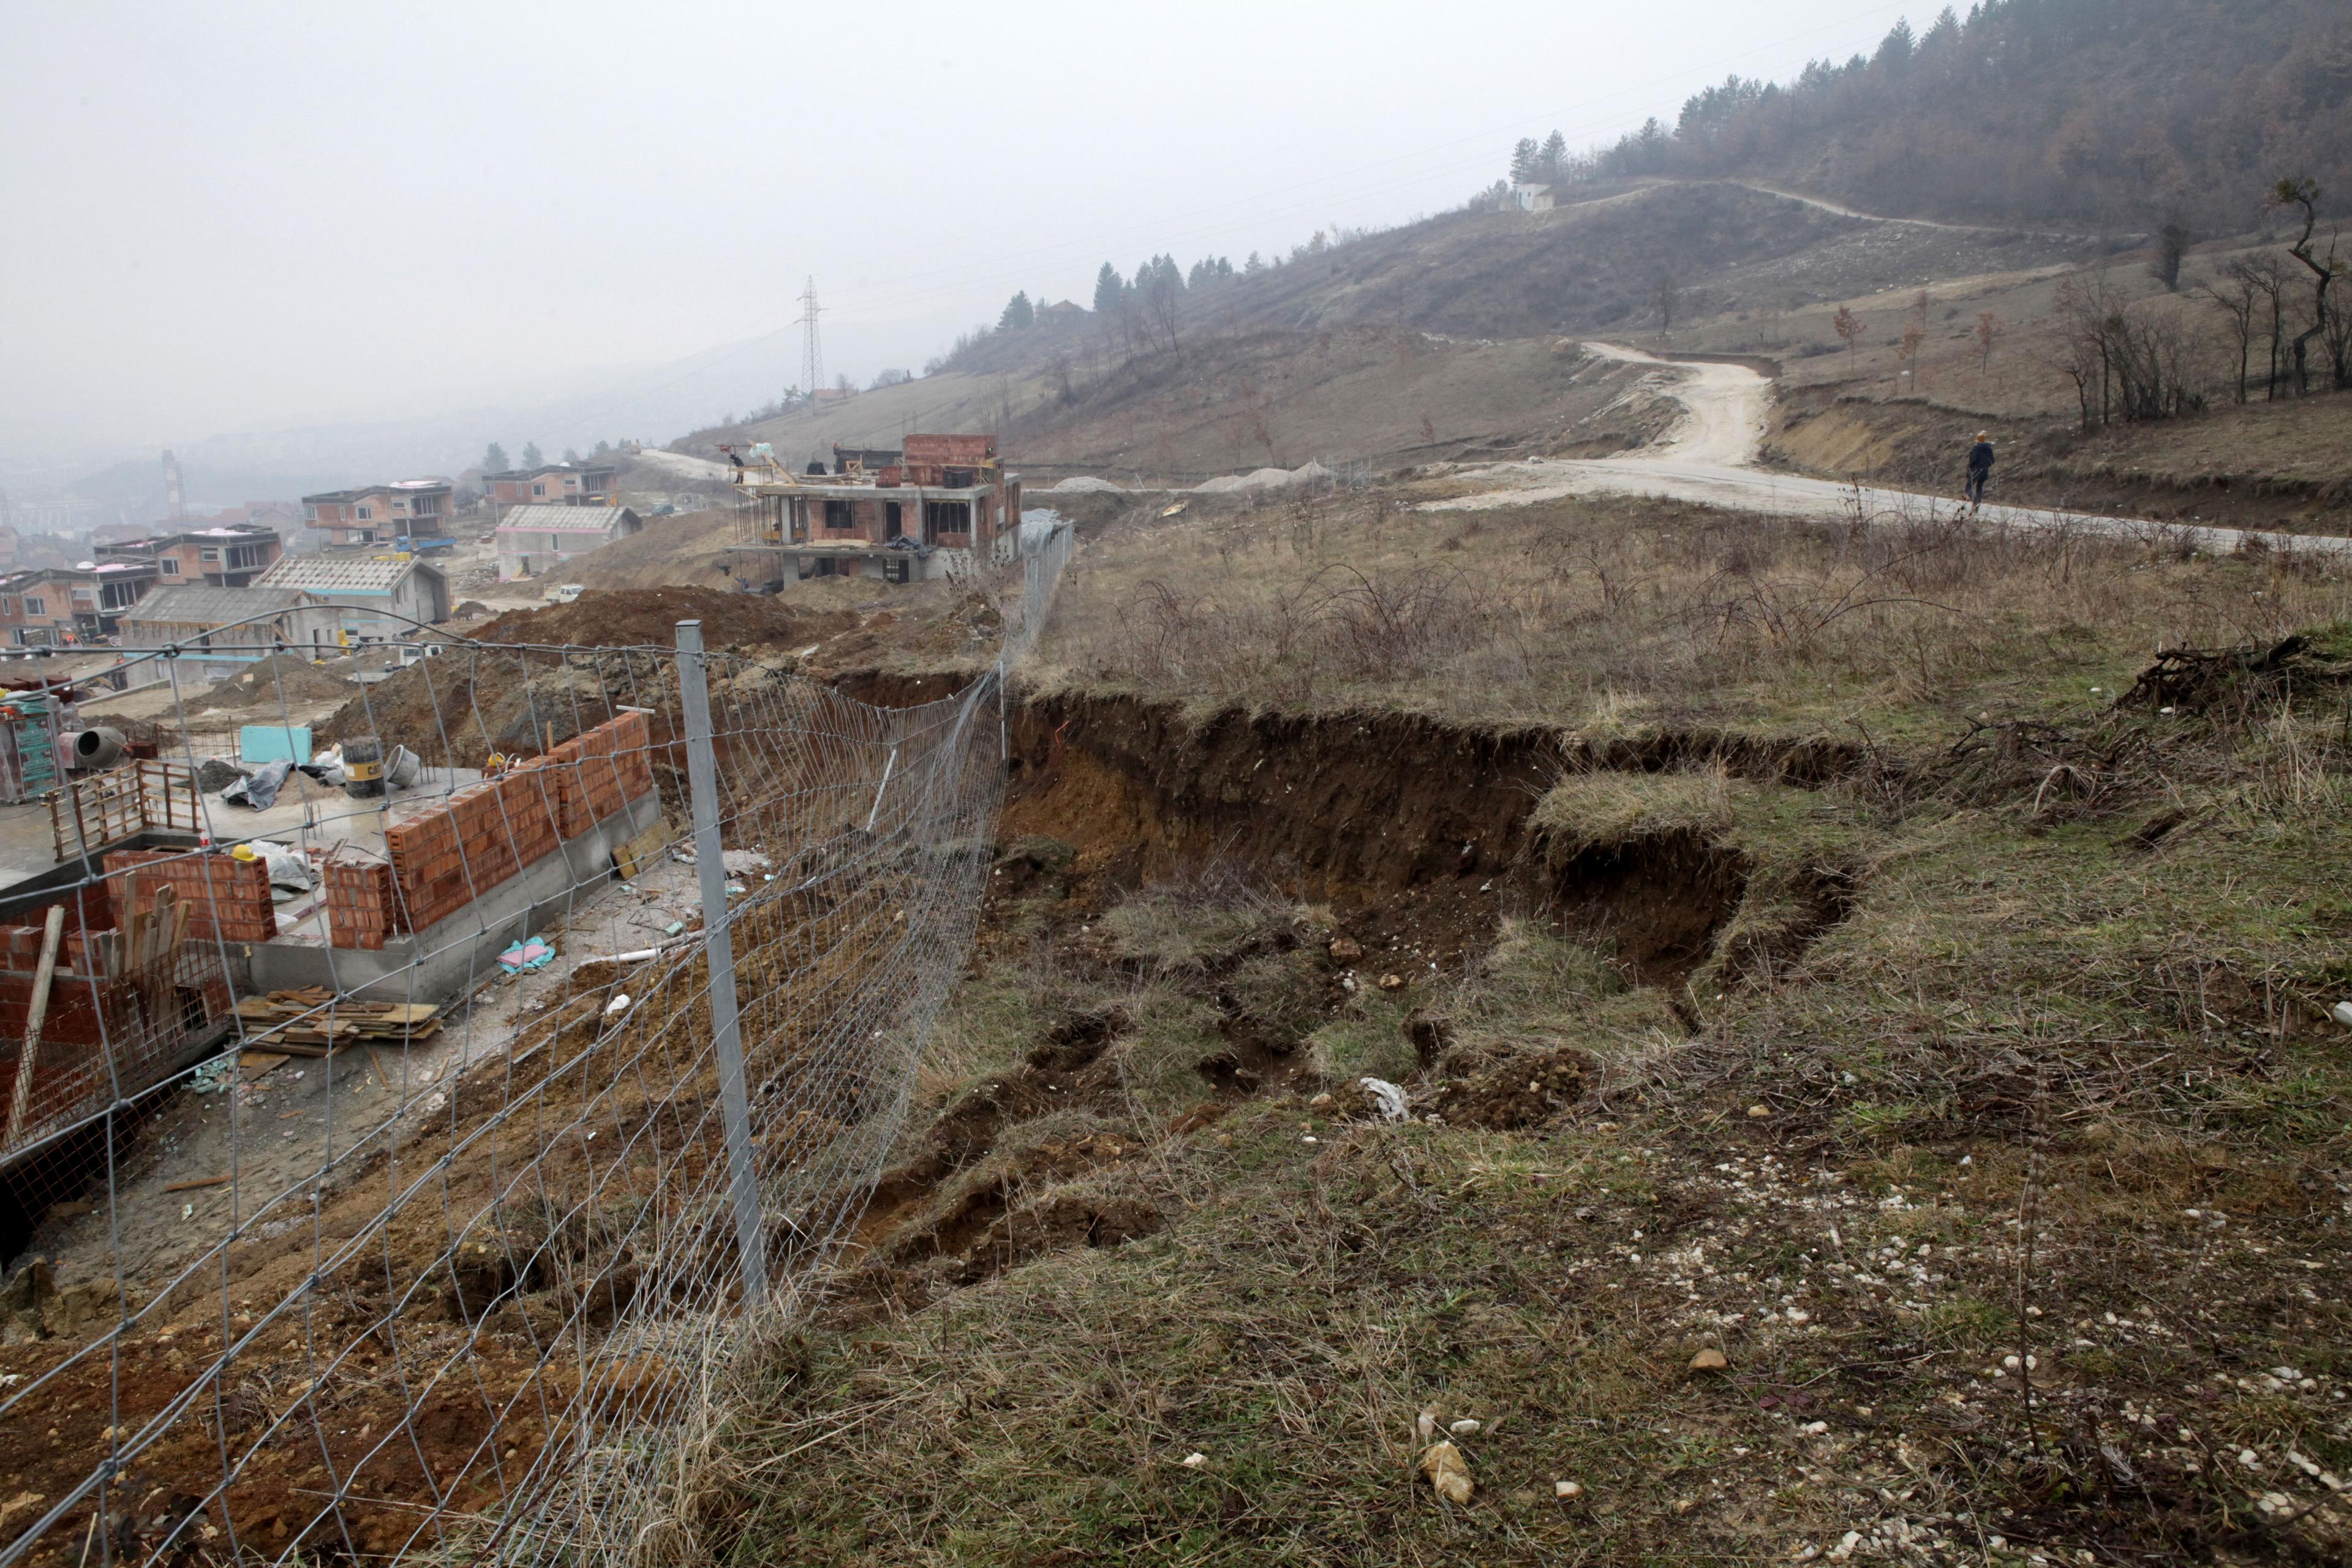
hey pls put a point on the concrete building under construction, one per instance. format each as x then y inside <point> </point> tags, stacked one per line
<point>939,505</point>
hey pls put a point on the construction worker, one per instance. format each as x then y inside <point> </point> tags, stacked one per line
<point>1979,469</point>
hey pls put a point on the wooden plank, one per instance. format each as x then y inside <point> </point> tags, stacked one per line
<point>37,1012</point>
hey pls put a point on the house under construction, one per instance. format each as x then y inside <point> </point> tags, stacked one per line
<point>939,505</point>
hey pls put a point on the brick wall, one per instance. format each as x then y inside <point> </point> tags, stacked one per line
<point>224,897</point>
<point>443,860</point>
<point>361,908</point>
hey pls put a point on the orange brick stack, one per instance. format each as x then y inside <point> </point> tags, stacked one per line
<point>444,859</point>
<point>603,769</point>
<point>361,910</point>
<point>223,896</point>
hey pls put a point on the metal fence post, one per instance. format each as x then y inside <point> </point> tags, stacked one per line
<point>726,1034</point>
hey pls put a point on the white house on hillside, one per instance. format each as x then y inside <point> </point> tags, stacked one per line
<point>381,598</point>
<point>536,540</point>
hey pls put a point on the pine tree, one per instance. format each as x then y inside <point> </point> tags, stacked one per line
<point>530,455</point>
<point>1525,158</point>
<point>494,458</point>
<point>1555,156</point>
<point>1019,314</point>
<point>1894,50</point>
<point>1109,288</point>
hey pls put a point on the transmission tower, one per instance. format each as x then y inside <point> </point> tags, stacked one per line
<point>812,352</point>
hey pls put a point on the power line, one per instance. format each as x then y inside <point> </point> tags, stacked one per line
<point>812,352</point>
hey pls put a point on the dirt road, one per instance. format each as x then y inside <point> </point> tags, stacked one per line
<point>1711,458</point>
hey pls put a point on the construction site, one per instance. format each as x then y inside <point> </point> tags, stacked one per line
<point>939,506</point>
<point>235,993</point>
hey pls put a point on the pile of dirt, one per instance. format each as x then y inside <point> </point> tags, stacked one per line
<point>281,677</point>
<point>688,551</point>
<point>748,624</point>
<point>515,690</point>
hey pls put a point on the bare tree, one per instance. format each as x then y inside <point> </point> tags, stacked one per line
<point>2305,194</point>
<point>1990,330</point>
<point>2127,362</point>
<point>2235,295</point>
<point>1848,325</point>
<point>2172,242</point>
<point>1666,293</point>
<point>1906,354</point>
<point>2336,332</point>
<point>2267,277</point>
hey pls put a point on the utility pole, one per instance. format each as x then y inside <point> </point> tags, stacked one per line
<point>811,353</point>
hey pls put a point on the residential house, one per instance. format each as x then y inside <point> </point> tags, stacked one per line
<point>943,504</point>
<point>379,598</point>
<point>556,484</point>
<point>221,630</point>
<point>221,557</point>
<point>536,540</point>
<point>381,514</point>
<point>60,605</point>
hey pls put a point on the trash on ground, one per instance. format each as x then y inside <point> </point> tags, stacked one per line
<point>260,790</point>
<point>522,955</point>
<point>1448,1472</point>
<point>1386,1098</point>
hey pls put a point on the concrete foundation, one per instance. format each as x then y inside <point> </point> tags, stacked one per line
<point>456,953</point>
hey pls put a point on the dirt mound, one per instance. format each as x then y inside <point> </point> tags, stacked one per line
<point>1518,1093</point>
<point>688,551</point>
<point>284,676</point>
<point>648,617</point>
<point>455,710</point>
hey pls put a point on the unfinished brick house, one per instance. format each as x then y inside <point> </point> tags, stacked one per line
<point>553,484</point>
<point>936,506</point>
<point>379,514</point>
<point>216,557</point>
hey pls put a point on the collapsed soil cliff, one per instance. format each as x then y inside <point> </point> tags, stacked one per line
<point>1406,823</point>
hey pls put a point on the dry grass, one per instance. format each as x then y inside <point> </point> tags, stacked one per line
<point>2015,1043</point>
<point>1612,615</point>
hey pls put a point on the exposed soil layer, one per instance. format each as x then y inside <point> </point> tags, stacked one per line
<point>1403,825</point>
<point>648,617</point>
<point>1418,837</point>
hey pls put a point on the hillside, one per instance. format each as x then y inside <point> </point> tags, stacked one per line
<point>1340,354</point>
<point>1851,1088</point>
<point>2117,114</point>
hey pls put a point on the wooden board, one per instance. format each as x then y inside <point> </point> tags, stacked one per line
<point>632,856</point>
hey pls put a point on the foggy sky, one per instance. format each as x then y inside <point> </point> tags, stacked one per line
<point>224,216</point>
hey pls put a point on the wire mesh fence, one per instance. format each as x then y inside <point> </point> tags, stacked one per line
<point>413,1165</point>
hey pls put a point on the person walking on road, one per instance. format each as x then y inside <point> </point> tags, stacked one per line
<point>1979,469</point>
